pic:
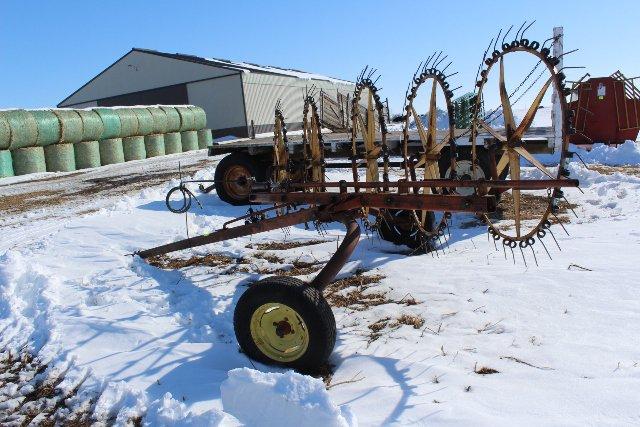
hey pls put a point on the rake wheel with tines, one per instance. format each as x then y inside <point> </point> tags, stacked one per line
<point>509,146</point>
<point>426,228</point>
<point>313,145</point>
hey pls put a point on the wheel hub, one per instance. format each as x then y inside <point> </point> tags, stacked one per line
<point>279,332</point>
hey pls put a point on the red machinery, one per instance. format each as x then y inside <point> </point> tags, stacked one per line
<point>606,109</point>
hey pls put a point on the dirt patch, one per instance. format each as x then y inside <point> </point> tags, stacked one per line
<point>355,292</point>
<point>610,170</point>
<point>283,246</point>
<point>532,207</point>
<point>211,260</point>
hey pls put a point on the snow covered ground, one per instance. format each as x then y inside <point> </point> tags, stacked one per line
<point>126,341</point>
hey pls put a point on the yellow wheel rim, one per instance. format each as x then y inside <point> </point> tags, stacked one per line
<point>279,332</point>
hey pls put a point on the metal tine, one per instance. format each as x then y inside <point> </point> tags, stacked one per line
<point>437,57</point>
<point>513,255</point>
<point>494,244</point>
<point>520,29</point>
<point>545,248</point>
<point>438,63</point>
<point>445,68</point>
<point>415,73</point>
<point>569,205</point>
<point>452,74</point>
<point>561,225</point>
<point>424,67</point>
<point>456,88</point>
<point>506,34</point>
<point>484,55</point>
<point>554,238</point>
<point>523,258</point>
<point>504,249</point>
<point>495,43</point>
<point>376,80</point>
<point>549,39</point>
<point>525,30</point>
<point>568,53</point>
<point>534,255</point>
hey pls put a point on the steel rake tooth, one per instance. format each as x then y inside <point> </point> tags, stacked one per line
<point>506,34</point>
<point>520,29</point>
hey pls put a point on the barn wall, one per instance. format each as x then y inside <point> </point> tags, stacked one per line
<point>262,91</point>
<point>138,71</point>
<point>221,99</point>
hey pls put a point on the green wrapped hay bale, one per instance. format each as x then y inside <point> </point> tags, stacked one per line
<point>87,154</point>
<point>154,145</point>
<point>110,123</point>
<point>133,147</point>
<point>28,160</point>
<point>173,118</point>
<point>70,124</point>
<point>23,128</point>
<point>172,143</point>
<point>6,164</point>
<point>145,121</point>
<point>5,132</point>
<point>189,140</point>
<point>92,127</point>
<point>205,138</point>
<point>199,117</point>
<point>111,151</point>
<point>187,119</point>
<point>49,129</point>
<point>128,122</point>
<point>159,119</point>
<point>60,158</point>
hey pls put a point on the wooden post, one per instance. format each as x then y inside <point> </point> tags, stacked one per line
<point>556,111</point>
<point>253,130</point>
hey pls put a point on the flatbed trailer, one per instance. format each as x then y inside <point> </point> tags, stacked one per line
<point>249,158</point>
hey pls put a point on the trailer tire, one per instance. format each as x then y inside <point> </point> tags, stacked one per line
<point>241,167</point>
<point>266,331</point>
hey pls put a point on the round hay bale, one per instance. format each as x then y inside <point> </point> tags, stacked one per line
<point>6,164</point>
<point>159,119</point>
<point>49,130</point>
<point>5,132</point>
<point>87,154</point>
<point>205,138</point>
<point>28,160</point>
<point>110,123</point>
<point>60,158</point>
<point>133,147</point>
<point>173,118</point>
<point>24,129</point>
<point>187,118</point>
<point>199,117</point>
<point>145,121</point>
<point>128,122</point>
<point>189,140</point>
<point>172,143</point>
<point>92,127</point>
<point>70,124</point>
<point>111,151</point>
<point>154,145</point>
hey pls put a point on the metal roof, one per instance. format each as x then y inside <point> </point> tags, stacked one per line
<point>246,67</point>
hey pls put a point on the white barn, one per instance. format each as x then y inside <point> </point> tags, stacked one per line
<point>238,97</point>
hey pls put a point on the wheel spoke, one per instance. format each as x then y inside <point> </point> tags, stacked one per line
<point>514,166</point>
<point>371,127</point>
<point>531,113</point>
<point>509,121</point>
<point>503,162</point>
<point>492,131</point>
<point>363,130</point>
<point>535,162</point>
<point>420,126</point>
<point>433,117</point>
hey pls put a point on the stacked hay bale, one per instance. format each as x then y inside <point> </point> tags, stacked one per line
<point>62,140</point>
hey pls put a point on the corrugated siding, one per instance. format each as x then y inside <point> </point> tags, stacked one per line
<point>221,99</point>
<point>262,91</point>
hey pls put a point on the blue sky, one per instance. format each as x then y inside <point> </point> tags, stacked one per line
<point>50,48</point>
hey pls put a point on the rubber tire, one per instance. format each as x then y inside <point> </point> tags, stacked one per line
<point>397,236</point>
<point>233,159</point>
<point>305,300</point>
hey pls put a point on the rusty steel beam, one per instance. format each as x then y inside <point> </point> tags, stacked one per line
<point>337,261</point>
<point>298,217</point>
<point>527,184</point>
<point>340,202</point>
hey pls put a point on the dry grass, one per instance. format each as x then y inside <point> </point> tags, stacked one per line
<point>531,208</point>
<point>354,292</point>
<point>409,319</point>
<point>274,259</point>
<point>283,246</point>
<point>211,260</point>
<point>610,170</point>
